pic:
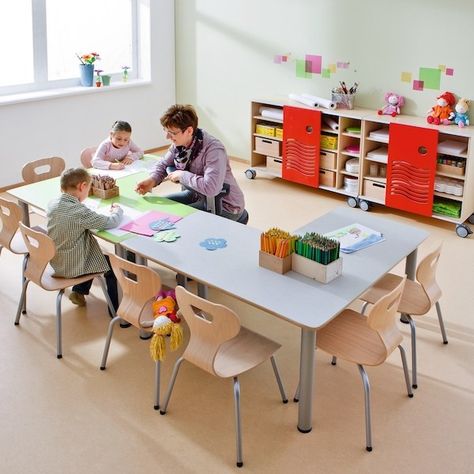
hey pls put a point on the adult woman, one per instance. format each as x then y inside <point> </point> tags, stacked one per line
<point>201,162</point>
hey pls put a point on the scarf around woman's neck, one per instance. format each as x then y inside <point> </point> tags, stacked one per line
<point>183,156</point>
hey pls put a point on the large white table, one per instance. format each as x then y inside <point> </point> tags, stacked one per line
<point>234,270</point>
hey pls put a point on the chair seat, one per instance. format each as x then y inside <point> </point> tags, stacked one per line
<point>52,283</point>
<point>245,351</point>
<point>350,338</point>
<point>414,300</point>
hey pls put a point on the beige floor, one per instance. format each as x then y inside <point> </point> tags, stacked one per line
<point>66,416</point>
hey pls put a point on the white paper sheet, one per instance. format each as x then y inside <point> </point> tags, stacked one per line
<point>135,167</point>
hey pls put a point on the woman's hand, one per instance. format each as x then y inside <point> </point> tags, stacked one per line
<point>145,186</point>
<point>175,176</point>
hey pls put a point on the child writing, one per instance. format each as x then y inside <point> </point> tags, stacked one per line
<point>69,225</point>
<point>117,150</point>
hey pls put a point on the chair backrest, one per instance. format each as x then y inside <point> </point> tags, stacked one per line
<point>10,214</point>
<point>382,318</point>
<point>86,156</point>
<point>139,285</point>
<point>210,325</point>
<point>42,169</point>
<point>41,250</point>
<point>426,276</point>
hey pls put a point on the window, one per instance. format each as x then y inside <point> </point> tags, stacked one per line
<point>45,36</point>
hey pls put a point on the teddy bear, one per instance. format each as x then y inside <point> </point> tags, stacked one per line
<point>459,116</point>
<point>166,323</point>
<point>393,102</point>
<point>442,111</point>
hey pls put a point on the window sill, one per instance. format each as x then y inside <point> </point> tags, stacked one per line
<point>68,91</point>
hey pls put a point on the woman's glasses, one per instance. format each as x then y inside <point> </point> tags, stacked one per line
<point>171,133</point>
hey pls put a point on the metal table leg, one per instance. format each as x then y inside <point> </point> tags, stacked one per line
<point>305,407</point>
<point>410,270</point>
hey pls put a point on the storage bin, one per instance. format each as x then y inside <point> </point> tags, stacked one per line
<point>316,271</point>
<point>327,160</point>
<point>274,164</point>
<point>279,133</point>
<point>263,129</point>
<point>450,169</point>
<point>327,178</point>
<point>343,101</point>
<point>351,184</point>
<point>105,193</point>
<point>274,263</point>
<point>328,141</point>
<point>265,146</point>
<point>374,189</point>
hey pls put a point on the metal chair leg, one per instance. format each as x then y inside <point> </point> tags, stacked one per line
<point>59,344</point>
<point>441,323</point>
<point>21,303</point>
<point>296,397</point>
<point>107,342</point>
<point>414,377</point>
<point>238,427</point>
<point>171,385</point>
<point>405,370</point>
<point>25,261</point>
<point>103,285</point>
<point>368,428</point>
<point>156,406</point>
<point>284,398</point>
<point>333,360</point>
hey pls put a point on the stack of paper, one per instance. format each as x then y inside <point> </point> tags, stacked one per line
<point>381,134</point>
<point>355,237</point>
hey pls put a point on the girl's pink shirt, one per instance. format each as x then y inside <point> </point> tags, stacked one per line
<point>106,154</point>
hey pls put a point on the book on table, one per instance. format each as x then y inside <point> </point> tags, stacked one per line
<point>355,237</point>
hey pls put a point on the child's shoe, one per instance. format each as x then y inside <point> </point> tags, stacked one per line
<point>77,298</point>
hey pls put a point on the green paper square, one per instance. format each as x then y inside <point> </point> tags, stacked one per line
<point>431,78</point>
<point>326,73</point>
<point>301,69</point>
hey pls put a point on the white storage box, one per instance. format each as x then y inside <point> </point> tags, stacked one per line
<point>266,146</point>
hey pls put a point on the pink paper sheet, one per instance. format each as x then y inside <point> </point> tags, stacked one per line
<point>142,224</point>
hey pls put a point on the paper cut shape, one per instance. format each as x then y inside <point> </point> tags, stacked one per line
<point>284,59</point>
<point>417,85</point>
<point>213,243</point>
<point>142,224</point>
<point>162,224</point>
<point>442,67</point>
<point>313,63</point>
<point>277,59</point>
<point>301,69</point>
<point>406,77</point>
<point>332,68</point>
<point>166,236</point>
<point>449,71</point>
<point>326,74</point>
<point>431,77</point>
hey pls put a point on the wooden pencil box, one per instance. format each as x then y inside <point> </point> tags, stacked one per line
<point>316,271</point>
<point>105,193</point>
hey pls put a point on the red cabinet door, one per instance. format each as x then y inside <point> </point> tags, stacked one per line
<point>301,131</point>
<point>411,168</point>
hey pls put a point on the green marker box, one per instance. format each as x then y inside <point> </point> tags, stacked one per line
<point>316,271</point>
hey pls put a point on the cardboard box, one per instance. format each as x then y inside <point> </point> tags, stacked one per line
<point>274,164</point>
<point>265,146</point>
<point>328,141</point>
<point>315,270</point>
<point>450,169</point>
<point>327,178</point>
<point>267,130</point>
<point>274,263</point>
<point>375,190</point>
<point>327,160</point>
<point>105,193</point>
<point>279,133</point>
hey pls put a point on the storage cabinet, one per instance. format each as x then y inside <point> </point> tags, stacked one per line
<point>401,162</point>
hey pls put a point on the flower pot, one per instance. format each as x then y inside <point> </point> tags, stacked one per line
<point>86,74</point>
<point>106,79</point>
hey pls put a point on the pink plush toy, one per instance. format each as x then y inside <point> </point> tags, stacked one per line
<point>393,102</point>
<point>442,112</point>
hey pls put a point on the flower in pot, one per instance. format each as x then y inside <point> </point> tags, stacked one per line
<point>98,79</point>
<point>125,73</point>
<point>87,68</point>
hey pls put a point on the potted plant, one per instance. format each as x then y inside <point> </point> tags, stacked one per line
<point>86,68</point>
<point>125,73</point>
<point>98,78</point>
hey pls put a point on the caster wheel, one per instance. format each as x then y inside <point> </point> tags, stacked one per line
<point>364,205</point>
<point>352,201</point>
<point>250,174</point>
<point>463,230</point>
<point>471,219</point>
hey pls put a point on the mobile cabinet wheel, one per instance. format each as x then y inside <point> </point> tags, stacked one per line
<point>463,230</point>
<point>471,219</point>
<point>352,201</point>
<point>250,174</point>
<point>364,205</point>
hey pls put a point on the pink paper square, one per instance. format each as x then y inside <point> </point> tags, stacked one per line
<point>313,63</point>
<point>449,71</point>
<point>142,224</point>
<point>277,59</point>
<point>418,85</point>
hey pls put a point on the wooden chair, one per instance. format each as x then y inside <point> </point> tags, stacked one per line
<point>219,345</point>
<point>139,284</point>
<point>42,169</point>
<point>418,297</point>
<point>86,156</point>
<point>41,250</point>
<point>366,341</point>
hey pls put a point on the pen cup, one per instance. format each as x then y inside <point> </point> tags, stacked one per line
<point>343,101</point>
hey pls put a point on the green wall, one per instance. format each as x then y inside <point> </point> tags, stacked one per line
<point>225,54</point>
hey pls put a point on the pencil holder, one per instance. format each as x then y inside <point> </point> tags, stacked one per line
<point>105,193</point>
<point>274,263</point>
<point>316,271</point>
<point>343,101</point>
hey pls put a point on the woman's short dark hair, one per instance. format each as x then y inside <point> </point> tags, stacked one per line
<point>180,116</point>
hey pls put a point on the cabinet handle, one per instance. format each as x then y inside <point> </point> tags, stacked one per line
<point>422,150</point>
<point>309,129</point>
<point>377,185</point>
<point>267,141</point>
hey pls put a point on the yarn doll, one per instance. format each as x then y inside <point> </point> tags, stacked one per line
<point>393,102</point>
<point>459,116</point>
<point>167,323</point>
<point>441,112</point>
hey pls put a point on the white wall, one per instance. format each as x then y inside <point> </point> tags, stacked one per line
<point>225,53</point>
<point>63,126</point>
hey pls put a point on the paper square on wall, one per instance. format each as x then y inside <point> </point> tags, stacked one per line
<point>406,77</point>
<point>315,63</point>
<point>417,85</point>
<point>342,65</point>
<point>301,69</point>
<point>284,59</point>
<point>277,59</point>
<point>431,77</point>
<point>332,68</point>
<point>326,73</point>
<point>449,71</point>
<point>442,67</point>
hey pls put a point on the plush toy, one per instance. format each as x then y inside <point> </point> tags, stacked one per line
<point>459,116</point>
<point>393,102</point>
<point>167,323</point>
<point>443,109</point>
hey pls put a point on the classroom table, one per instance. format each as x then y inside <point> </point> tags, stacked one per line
<point>293,297</point>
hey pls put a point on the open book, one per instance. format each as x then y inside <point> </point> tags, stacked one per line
<point>355,237</point>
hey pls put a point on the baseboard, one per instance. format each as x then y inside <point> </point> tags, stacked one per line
<point>240,160</point>
<point>156,150</point>
<point>10,186</point>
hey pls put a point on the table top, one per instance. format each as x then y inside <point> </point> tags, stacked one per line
<point>293,297</point>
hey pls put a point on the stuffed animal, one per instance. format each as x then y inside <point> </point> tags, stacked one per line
<point>443,109</point>
<point>167,323</point>
<point>459,116</point>
<point>393,102</point>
